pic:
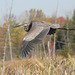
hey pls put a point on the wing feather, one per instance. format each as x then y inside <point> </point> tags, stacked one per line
<point>35,35</point>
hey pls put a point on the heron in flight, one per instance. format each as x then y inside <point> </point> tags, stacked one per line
<point>37,31</point>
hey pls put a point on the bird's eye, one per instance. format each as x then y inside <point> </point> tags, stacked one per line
<point>25,28</point>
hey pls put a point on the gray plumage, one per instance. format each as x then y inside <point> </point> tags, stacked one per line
<point>37,31</point>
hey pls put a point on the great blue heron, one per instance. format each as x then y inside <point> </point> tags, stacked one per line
<point>37,31</point>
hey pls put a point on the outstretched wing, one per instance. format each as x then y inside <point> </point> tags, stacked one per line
<point>53,28</point>
<point>35,35</point>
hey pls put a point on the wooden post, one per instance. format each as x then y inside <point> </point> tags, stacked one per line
<point>40,50</point>
<point>44,48</point>
<point>37,49</point>
<point>54,46</point>
<point>49,48</point>
<point>50,44</point>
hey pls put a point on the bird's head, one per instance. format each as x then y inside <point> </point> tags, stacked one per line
<point>25,25</point>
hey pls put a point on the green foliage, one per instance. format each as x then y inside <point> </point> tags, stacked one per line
<point>32,14</point>
<point>16,36</point>
<point>67,36</point>
<point>65,51</point>
<point>35,14</point>
<point>72,33</point>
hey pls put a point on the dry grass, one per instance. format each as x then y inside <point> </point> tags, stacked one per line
<point>40,66</point>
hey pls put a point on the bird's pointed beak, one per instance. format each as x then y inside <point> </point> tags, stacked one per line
<point>22,25</point>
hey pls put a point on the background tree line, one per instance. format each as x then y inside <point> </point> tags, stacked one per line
<point>63,38</point>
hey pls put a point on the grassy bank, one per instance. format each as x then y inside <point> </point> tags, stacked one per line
<point>40,66</point>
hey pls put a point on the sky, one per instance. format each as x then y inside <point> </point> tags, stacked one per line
<point>49,7</point>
